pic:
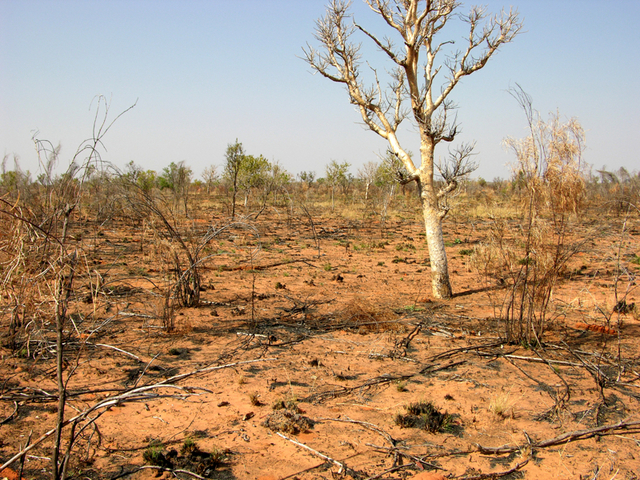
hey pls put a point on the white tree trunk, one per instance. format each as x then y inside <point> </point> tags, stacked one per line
<point>440,283</point>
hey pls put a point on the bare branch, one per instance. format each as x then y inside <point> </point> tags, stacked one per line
<point>499,30</point>
<point>457,166</point>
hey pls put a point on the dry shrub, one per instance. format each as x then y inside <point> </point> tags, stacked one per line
<point>550,181</point>
<point>287,421</point>
<point>24,273</point>
<point>425,416</point>
<point>361,315</point>
<point>495,257</point>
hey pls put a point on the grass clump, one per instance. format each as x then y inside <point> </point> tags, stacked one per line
<point>287,418</point>
<point>254,398</point>
<point>290,404</point>
<point>501,405</point>
<point>425,416</point>
<point>288,422</point>
<point>401,386</point>
<point>188,445</point>
<point>154,455</point>
<point>190,457</point>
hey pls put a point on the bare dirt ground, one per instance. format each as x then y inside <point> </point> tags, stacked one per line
<point>305,358</point>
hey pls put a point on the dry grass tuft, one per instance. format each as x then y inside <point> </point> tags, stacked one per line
<point>502,405</point>
<point>363,316</point>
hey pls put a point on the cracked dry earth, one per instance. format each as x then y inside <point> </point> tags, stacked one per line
<point>302,368</point>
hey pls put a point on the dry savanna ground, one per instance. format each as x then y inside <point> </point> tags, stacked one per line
<point>317,351</point>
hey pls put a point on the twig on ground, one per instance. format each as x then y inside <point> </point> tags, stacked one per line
<point>347,390</point>
<point>160,469</point>
<point>560,401</point>
<point>562,439</point>
<point>367,425</point>
<point>116,349</point>
<point>264,267</point>
<point>383,379</point>
<point>492,475</point>
<point>534,359</point>
<point>342,467</point>
<point>397,453</point>
<point>8,419</point>
<point>390,470</point>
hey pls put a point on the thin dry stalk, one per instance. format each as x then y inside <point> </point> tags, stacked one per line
<point>551,181</point>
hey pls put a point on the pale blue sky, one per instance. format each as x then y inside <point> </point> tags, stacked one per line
<point>208,72</point>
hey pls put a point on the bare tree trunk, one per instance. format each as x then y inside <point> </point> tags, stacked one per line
<point>440,284</point>
<point>233,203</point>
<point>64,286</point>
<point>433,215</point>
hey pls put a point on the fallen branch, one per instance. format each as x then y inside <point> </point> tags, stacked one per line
<point>367,425</point>
<point>342,467</point>
<point>397,453</point>
<point>390,470</point>
<point>140,393</point>
<point>160,469</point>
<point>482,476</point>
<point>226,268</point>
<point>381,380</point>
<point>8,419</point>
<point>561,439</point>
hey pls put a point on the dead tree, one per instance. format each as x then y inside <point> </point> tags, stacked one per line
<point>419,25</point>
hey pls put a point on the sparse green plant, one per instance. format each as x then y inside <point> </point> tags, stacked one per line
<point>153,454</point>
<point>426,416</point>
<point>218,456</point>
<point>401,385</point>
<point>412,308</point>
<point>188,445</point>
<point>327,267</point>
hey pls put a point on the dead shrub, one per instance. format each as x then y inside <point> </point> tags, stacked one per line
<point>364,317</point>
<point>550,182</point>
<point>287,421</point>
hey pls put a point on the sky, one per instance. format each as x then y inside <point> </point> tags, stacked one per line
<point>205,73</point>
